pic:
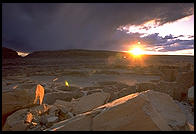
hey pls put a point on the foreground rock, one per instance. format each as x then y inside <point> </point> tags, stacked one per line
<point>15,100</point>
<point>185,81</point>
<point>15,122</point>
<point>191,95</point>
<point>50,98</point>
<point>168,74</point>
<point>89,102</point>
<point>148,110</point>
<point>28,118</point>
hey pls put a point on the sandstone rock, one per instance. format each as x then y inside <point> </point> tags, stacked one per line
<point>35,128</point>
<point>39,110</point>
<point>77,123</point>
<point>113,96</point>
<point>15,100</point>
<point>112,86</point>
<point>43,120</point>
<point>187,110</point>
<point>94,91</point>
<point>29,117</point>
<point>84,93</point>
<point>148,110</point>
<point>167,87</point>
<point>66,88</point>
<point>185,81</point>
<point>77,94</point>
<point>52,119</point>
<point>50,98</point>
<point>39,94</point>
<point>62,115</point>
<point>27,86</point>
<point>91,88</point>
<point>127,91</point>
<point>145,86</point>
<point>63,105</point>
<point>53,110</point>
<point>191,94</point>
<point>16,121</point>
<point>169,74</point>
<point>89,102</point>
<point>189,127</point>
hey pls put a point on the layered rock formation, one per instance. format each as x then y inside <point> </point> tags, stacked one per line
<point>148,110</point>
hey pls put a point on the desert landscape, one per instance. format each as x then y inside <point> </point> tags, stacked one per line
<point>105,91</point>
<point>98,66</point>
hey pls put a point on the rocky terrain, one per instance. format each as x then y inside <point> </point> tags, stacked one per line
<point>107,91</point>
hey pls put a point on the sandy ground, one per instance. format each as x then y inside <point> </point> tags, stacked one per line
<point>93,79</point>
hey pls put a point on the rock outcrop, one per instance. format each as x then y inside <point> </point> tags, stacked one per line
<point>169,74</point>
<point>191,95</point>
<point>50,98</point>
<point>185,81</point>
<point>89,102</point>
<point>15,122</point>
<point>148,110</point>
<point>15,100</point>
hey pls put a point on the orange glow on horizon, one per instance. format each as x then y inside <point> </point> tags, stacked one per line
<point>136,50</point>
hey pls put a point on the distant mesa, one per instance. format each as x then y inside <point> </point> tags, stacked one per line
<point>9,53</point>
<point>71,53</point>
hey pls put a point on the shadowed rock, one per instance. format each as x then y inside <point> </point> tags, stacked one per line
<point>89,102</point>
<point>15,100</point>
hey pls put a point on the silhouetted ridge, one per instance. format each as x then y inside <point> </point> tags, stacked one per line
<point>9,53</point>
<point>72,53</point>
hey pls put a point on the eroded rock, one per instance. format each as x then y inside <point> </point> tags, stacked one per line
<point>87,103</point>
<point>16,121</point>
<point>15,100</point>
<point>148,110</point>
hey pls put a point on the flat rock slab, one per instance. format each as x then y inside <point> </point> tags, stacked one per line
<point>145,111</point>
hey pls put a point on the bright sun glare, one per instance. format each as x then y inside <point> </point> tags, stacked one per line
<point>136,50</point>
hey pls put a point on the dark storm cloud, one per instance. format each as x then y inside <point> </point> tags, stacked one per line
<point>32,27</point>
<point>168,43</point>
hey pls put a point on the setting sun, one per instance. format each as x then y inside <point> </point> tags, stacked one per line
<point>136,51</point>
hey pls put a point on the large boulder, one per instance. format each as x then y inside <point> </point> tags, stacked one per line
<point>77,123</point>
<point>16,121</point>
<point>145,86</point>
<point>89,102</point>
<point>148,110</point>
<point>64,105</point>
<point>50,98</point>
<point>169,74</point>
<point>15,100</point>
<point>127,91</point>
<point>167,87</point>
<point>185,80</point>
<point>39,109</point>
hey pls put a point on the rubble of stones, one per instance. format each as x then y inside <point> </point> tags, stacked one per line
<point>97,108</point>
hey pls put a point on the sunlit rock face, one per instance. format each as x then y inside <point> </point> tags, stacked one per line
<point>148,110</point>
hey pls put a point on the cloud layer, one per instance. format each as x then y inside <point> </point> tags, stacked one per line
<point>33,27</point>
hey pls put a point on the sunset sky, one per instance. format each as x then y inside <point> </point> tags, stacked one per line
<point>161,28</point>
